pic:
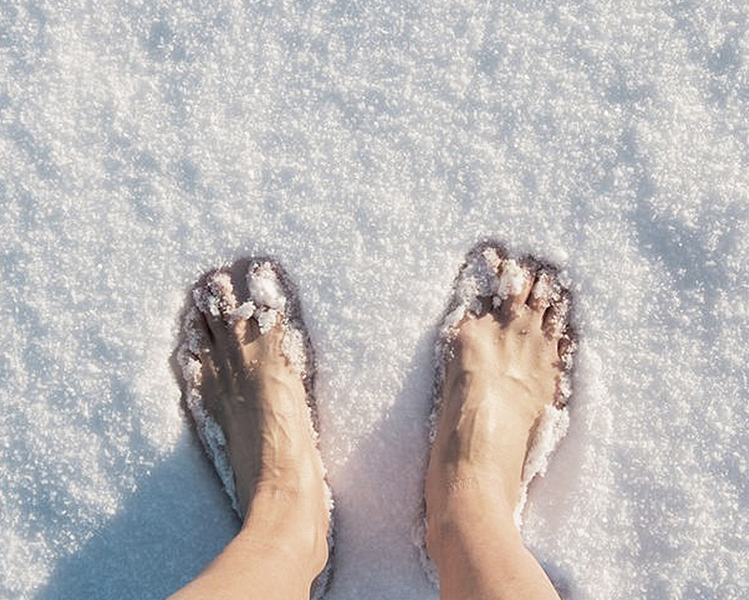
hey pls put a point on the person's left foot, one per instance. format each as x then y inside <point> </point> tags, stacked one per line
<point>253,391</point>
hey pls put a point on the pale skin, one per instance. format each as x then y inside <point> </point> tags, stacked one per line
<point>502,371</point>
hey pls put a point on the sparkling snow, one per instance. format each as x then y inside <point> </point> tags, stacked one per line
<point>368,146</point>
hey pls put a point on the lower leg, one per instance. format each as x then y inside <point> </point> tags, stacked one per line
<point>479,553</point>
<point>276,555</point>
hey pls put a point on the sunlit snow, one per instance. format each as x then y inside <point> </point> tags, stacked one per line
<point>368,146</point>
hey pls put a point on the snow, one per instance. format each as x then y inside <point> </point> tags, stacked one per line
<point>511,281</point>
<point>264,288</point>
<point>367,147</point>
<point>552,427</point>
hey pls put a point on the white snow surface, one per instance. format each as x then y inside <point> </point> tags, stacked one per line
<point>367,146</point>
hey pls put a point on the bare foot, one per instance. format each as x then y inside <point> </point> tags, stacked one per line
<point>254,392</point>
<point>502,369</point>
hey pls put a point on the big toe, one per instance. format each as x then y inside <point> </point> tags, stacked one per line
<point>513,285</point>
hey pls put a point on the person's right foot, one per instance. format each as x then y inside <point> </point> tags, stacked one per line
<point>502,369</point>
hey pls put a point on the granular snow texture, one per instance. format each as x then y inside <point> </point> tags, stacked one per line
<point>367,146</point>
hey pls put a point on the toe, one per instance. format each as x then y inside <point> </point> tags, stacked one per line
<point>564,346</point>
<point>217,303</point>
<point>197,337</point>
<point>513,287</point>
<point>243,322</point>
<point>203,333</point>
<point>267,294</point>
<point>540,296</point>
<point>520,301</point>
<point>194,353</point>
<point>205,349</point>
<point>555,316</point>
<point>215,300</point>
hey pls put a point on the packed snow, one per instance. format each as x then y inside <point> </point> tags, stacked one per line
<point>367,146</point>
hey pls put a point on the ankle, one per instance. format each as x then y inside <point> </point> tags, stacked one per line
<point>291,521</point>
<point>461,508</point>
<point>491,477</point>
<point>466,525</point>
<point>301,562</point>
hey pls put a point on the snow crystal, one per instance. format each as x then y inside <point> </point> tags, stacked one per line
<point>264,288</point>
<point>266,319</point>
<point>293,347</point>
<point>542,288</point>
<point>191,369</point>
<point>217,296</point>
<point>510,282</point>
<point>245,311</point>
